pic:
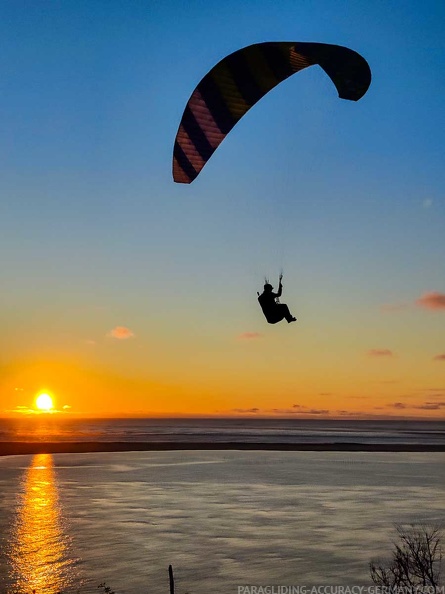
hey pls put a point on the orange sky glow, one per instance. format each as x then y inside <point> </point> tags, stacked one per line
<point>375,388</point>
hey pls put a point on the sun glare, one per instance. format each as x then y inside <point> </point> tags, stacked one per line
<point>44,402</point>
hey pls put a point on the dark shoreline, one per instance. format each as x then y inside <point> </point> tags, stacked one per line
<point>20,448</point>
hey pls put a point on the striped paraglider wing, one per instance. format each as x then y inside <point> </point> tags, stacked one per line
<point>241,79</point>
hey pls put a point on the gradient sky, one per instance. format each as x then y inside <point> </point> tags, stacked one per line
<point>125,293</point>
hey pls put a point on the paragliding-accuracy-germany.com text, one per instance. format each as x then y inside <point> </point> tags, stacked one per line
<point>339,589</point>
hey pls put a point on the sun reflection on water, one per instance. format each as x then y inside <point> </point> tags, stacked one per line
<point>39,553</point>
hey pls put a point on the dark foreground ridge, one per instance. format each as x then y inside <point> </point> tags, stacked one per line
<point>10,448</point>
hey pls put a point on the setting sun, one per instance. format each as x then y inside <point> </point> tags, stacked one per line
<point>44,402</point>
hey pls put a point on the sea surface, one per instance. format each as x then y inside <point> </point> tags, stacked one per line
<point>58,428</point>
<point>223,519</point>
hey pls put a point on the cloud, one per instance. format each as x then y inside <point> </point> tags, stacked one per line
<point>26,410</point>
<point>427,203</point>
<point>439,357</point>
<point>425,406</point>
<point>432,300</point>
<point>304,410</point>
<point>380,353</point>
<point>430,406</point>
<point>250,336</point>
<point>121,333</point>
<point>296,409</point>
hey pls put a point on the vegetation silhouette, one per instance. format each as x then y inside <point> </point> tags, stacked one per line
<point>416,559</point>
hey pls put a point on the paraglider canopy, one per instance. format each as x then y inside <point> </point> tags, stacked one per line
<point>241,79</point>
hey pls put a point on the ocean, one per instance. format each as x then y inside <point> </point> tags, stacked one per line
<point>57,428</point>
<point>222,519</point>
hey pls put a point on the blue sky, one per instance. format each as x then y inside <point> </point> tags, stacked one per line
<point>347,197</point>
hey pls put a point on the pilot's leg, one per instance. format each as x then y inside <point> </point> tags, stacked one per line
<point>286,313</point>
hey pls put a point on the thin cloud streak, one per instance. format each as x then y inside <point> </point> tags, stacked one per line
<point>380,353</point>
<point>250,336</point>
<point>27,410</point>
<point>430,406</point>
<point>424,406</point>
